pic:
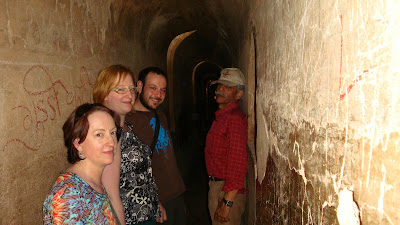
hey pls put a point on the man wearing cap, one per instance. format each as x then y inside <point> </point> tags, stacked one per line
<point>226,152</point>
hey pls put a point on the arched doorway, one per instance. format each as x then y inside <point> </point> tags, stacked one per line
<point>204,105</point>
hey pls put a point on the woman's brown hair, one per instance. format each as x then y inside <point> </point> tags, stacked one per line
<point>77,126</point>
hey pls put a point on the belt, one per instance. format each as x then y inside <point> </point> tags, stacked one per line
<point>214,179</point>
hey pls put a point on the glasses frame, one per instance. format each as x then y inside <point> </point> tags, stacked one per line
<point>125,90</point>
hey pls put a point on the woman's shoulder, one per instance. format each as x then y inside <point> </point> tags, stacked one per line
<point>67,183</point>
<point>66,199</point>
<point>64,190</point>
<point>135,117</point>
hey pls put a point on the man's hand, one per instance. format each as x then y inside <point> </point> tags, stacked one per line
<point>222,212</point>
<point>163,215</point>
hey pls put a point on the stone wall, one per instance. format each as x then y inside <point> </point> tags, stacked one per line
<point>327,99</point>
<point>323,94</point>
<point>50,55</point>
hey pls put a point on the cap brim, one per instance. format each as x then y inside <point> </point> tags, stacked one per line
<point>224,82</point>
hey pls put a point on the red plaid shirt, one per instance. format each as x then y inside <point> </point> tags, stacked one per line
<point>226,152</point>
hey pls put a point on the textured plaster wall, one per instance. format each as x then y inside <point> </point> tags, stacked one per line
<point>50,55</point>
<point>324,77</point>
<point>327,109</point>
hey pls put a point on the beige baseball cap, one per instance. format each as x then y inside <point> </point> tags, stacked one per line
<point>231,77</point>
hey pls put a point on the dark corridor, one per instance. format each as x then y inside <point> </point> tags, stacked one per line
<point>192,126</point>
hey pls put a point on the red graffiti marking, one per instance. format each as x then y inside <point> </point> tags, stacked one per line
<point>353,84</point>
<point>45,104</point>
<point>84,75</point>
<point>226,74</point>
<point>360,77</point>
<point>84,81</point>
<point>21,142</point>
<point>28,115</point>
<point>41,70</point>
<point>341,51</point>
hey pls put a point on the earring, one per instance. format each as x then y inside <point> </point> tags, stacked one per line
<point>80,155</point>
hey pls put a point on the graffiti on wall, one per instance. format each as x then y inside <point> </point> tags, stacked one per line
<point>44,103</point>
<point>358,78</point>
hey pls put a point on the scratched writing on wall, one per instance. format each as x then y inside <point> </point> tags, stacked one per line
<point>45,99</point>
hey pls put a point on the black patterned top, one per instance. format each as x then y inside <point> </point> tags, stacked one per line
<point>137,187</point>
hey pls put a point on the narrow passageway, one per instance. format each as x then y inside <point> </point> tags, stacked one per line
<point>192,127</point>
<point>322,97</point>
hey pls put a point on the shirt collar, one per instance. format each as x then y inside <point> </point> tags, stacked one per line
<point>227,108</point>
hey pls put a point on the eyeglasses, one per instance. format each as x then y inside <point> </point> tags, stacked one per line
<point>123,90</point>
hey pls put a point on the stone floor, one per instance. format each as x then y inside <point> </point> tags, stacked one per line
<point>196,201</point>
<point>190,159</point>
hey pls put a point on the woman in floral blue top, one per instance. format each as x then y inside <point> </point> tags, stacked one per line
<point>78,196</point>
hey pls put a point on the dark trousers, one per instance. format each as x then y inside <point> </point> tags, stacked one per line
<point>176,213</point>
<point>149,222</point>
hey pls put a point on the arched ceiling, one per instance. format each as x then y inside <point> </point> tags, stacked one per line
<point>155,23</point>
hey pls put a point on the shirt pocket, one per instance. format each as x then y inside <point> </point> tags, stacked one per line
<point>219,130</point>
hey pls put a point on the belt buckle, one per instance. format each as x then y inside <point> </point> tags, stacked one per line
<point>210,178</point>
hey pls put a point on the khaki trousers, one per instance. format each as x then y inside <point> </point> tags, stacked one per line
<point>237,209</point>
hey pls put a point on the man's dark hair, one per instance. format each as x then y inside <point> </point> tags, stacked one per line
<point>143,74</point>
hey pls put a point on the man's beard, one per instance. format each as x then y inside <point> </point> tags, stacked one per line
<point>144,103</point>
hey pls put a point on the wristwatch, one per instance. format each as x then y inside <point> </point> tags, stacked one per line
<point>227,203</point>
